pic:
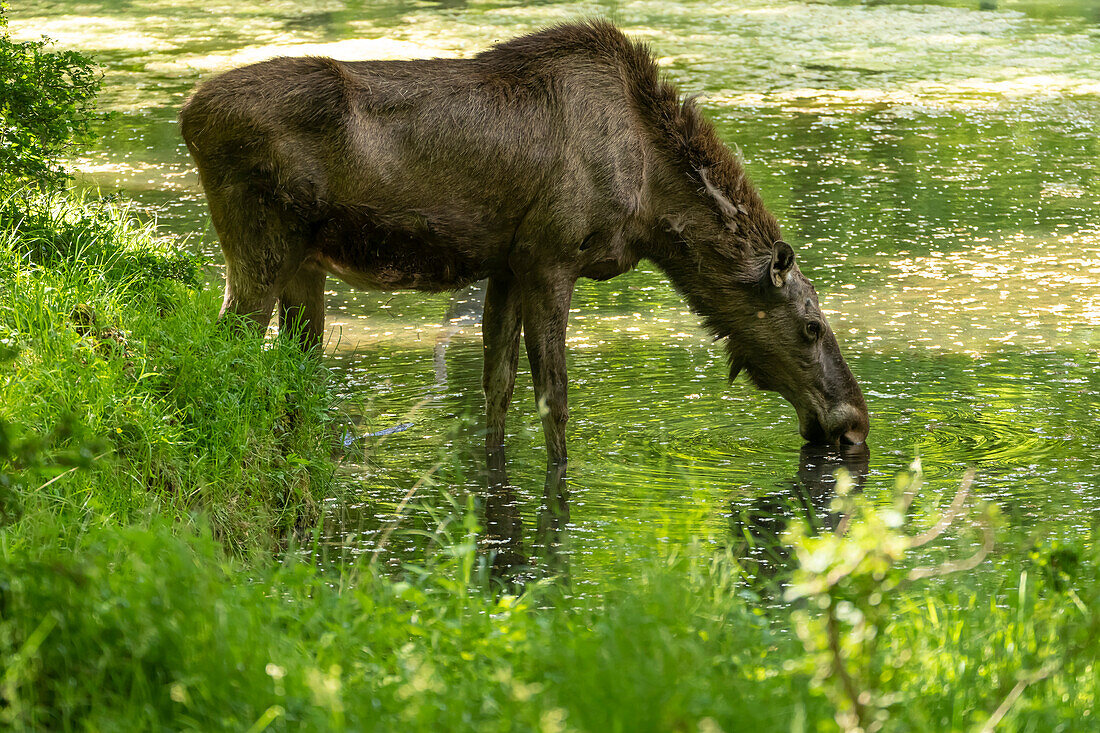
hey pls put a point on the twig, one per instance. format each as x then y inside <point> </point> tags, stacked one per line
<point>838,667</point>
<point>948,516</point>
<point>1014,695</point>
<point>66,473</point>
<point>958,565</point>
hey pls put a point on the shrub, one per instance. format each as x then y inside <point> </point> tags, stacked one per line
<point>47,103</point>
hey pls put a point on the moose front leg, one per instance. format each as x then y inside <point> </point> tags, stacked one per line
<point>500,327</point>
<point>545,316</point>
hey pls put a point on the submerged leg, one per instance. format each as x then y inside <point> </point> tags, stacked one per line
<point>551,535</point>
<point>302,307</point>
<point>545,317</point>
<point>500,329</point>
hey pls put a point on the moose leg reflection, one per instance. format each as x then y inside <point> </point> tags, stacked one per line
<point>504,540</point>
<point>503,524</point>
<point>758,528</point>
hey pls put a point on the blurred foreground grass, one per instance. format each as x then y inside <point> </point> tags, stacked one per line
<point>148,627</point>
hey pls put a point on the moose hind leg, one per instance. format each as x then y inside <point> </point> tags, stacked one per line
<point>263,246</point>
<point>302,307</point>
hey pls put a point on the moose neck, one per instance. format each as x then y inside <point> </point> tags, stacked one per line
<point>711,259</point>
<point>712,234</point>
<point>712,281</point>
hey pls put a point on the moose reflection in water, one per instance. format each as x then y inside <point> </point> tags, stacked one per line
<point>504,540</point>
<point>758,526</point>
<point>554,156</point>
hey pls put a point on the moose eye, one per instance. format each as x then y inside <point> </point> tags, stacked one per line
<point>813,330</point>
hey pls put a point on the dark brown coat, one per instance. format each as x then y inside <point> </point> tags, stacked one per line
<point>553,156</point>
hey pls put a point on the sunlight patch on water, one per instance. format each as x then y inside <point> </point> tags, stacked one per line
<point>101,33</point>
<point>974,94</point>
<point>358,49</point>
<point>1021,293</point>
<point>135,175</point>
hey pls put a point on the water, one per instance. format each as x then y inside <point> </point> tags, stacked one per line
<point>934,162</point>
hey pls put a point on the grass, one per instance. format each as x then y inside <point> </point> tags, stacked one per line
<point>147,628</point>
<point>151,462</point>
<point>113,362</point>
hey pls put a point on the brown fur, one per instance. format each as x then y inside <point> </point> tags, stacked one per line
<point>553,156</point>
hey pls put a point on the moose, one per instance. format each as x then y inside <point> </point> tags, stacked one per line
<point>550,157</point>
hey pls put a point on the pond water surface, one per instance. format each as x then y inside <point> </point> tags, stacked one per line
<point>934,163</point>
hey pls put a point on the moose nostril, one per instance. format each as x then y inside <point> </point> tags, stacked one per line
<point>852,437</point>
<point>847,424</point>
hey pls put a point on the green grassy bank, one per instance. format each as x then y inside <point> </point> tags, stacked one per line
<point>121,397</point>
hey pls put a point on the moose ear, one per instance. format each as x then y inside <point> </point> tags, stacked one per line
<point>782,262</point>
<point>725,206</point>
